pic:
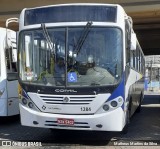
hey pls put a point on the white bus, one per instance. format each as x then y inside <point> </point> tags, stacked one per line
<point>80,67</point>
<point>9,103</point>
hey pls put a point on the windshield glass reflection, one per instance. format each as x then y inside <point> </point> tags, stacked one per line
<point>92,59</point>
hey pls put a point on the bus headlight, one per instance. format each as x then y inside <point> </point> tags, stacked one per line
<point>105,107</point>
<point>24,101</point>
<point>30,105</point>
<point>114,103</point>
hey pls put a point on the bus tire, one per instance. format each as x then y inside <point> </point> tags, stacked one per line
<point>138,110</point>
<point>125,129</point>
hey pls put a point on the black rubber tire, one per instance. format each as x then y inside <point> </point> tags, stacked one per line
<point>125,129</point>
<point>138,110</point>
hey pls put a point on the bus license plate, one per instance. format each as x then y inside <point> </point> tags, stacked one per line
<point>65,121</point>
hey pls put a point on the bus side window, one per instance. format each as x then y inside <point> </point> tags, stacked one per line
<point>131,59</point>
<point>134,59</point>
<point>127,44</point>
<point>11,66</point>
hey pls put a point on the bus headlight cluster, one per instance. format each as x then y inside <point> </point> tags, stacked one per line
<point>113,104</point>
<point>26,101</point>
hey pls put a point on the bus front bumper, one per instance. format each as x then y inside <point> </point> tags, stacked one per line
<point>108,121</point>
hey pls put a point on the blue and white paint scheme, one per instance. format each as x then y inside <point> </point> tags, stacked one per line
<point>80,67</point>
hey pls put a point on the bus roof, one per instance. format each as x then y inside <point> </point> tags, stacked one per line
<point>77,4</point>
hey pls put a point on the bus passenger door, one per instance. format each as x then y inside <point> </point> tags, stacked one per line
<point>12,81</point>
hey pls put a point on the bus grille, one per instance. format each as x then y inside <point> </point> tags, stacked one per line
<point>72,100</point>
<point>76,124</point>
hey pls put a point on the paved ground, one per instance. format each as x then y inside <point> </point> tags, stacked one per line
<point>144,129</point>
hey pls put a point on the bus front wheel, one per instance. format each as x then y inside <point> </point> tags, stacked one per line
<point>140,103</point>
<point>125,129</point>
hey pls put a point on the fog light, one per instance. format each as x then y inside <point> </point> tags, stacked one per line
<point>30,104</point>
<point>99,125</point>
<point>35,123</point>
<point>114,103</point>
<point>105,107</point>
<point>24,101</point>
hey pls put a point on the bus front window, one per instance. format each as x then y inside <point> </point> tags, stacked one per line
<point>74,59</point>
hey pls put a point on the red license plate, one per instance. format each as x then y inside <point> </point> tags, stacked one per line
<point>65,121</point>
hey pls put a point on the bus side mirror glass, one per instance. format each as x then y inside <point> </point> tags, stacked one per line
<point>27,48</point>
<point>133,41</point>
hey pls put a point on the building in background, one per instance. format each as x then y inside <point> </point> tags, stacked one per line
<point>152,72</point>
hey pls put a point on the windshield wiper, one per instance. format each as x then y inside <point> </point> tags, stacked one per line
<point>83,37</point>
<point>48,39</point>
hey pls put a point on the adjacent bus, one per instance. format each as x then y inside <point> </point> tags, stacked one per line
<point>80,67</point>
<point>9,103</point>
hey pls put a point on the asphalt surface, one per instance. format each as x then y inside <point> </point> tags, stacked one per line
<point>144,132</point>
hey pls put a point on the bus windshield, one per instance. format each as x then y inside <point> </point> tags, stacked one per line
<point>71,56</point>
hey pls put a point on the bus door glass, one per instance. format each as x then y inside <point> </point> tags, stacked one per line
<point>12,82</point>
<point>11,64</point>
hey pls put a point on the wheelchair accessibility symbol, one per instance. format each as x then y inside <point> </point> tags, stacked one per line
<point>72,77</point>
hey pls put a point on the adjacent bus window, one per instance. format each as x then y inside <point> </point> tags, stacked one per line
<point>11,65</point>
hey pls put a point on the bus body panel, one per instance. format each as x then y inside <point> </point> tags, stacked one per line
<point>80,104</point>
<point>112,121</point>
<point>9,99</point>
<point>13,101</point>
<point>3,82</point>
<point>3,99</point>
<point>45,115</point>
<point>134,89</point>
